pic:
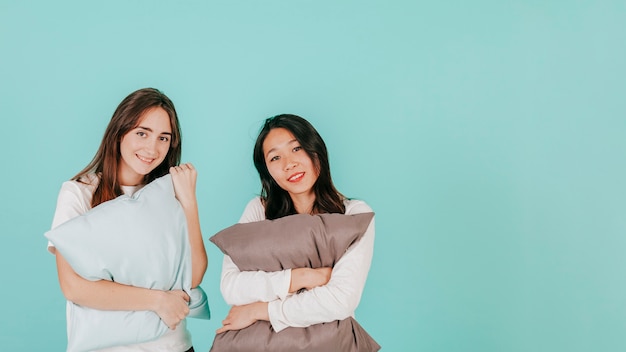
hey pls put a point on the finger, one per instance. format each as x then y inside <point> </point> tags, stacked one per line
<point>175,169</point>
<point>179,293</point>
<point>222,329</point>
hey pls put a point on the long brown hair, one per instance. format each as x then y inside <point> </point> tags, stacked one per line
<point>277,201</point>
<point>126,117</point>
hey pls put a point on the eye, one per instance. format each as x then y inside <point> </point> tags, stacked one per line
<point>141,133</point>
<point>164,139</point>
<point>297,149</point>
<point>274,158</point>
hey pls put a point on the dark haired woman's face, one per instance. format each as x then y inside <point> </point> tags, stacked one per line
<point>144,147</point>
<point>288,164</point>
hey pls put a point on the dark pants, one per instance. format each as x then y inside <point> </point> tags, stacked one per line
<point>190,350</point>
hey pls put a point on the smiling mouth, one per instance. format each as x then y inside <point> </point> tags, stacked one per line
<point>296,177</point>
<point>145,160</point>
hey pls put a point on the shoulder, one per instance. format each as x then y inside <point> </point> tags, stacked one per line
<point>74,199</point>
<point>254,211</point>
<point>356,206</point>
<point>83,188</point>
<point>78,191</point>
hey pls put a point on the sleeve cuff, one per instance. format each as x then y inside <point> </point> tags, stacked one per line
<point>274,309</point>
<point>282,283</point>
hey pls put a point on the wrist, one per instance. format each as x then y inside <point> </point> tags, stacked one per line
<point>190,206</point>
<point>297,279</point>
<point>261,312</point>
<point>155,300</point>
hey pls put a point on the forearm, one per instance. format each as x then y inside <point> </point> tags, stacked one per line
<point>244,287</point>
<point>104,295</point>
<point>199,260</point>
<point>308,278</point>
<point>319,305</point>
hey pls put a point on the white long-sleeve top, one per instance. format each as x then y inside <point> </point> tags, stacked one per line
<point>336,300</point>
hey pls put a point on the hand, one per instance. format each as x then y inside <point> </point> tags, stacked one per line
<point>308,278</point>
<point>321,277</point>
<point>172,307</point>
<point>240,317</point>
<point>184,179</point>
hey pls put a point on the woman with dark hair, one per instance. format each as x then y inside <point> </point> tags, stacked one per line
<point>293,166</point>
<point>141,143</point>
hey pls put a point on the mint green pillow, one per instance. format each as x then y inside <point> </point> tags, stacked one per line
<point>138,240</point>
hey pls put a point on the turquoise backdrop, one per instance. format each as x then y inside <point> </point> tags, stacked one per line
<point>488,136</point>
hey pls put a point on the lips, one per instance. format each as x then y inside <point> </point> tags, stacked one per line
<point>145,160</point>
<point>296,177</point>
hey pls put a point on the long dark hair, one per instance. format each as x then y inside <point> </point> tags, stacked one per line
<point>276,200</point>
<point>125,118</point>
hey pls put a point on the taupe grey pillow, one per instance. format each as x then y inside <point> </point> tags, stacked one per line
<point>294,241</point>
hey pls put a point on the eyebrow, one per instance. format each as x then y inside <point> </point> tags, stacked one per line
<point>271,150</point>
<point>150,130</point>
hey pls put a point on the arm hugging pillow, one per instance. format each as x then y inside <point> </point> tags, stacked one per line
<point>138,240</point>
<point>294,241</point>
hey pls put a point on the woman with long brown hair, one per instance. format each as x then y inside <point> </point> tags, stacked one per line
<point>141,143</point>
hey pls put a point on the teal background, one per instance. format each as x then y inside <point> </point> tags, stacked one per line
<point>488,136</point>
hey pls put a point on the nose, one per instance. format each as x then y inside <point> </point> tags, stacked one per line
<point>151,147</point>
<point>290,164</point>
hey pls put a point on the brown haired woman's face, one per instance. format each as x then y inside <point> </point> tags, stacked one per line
<point>288,164</point>
<point>144,147</point>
